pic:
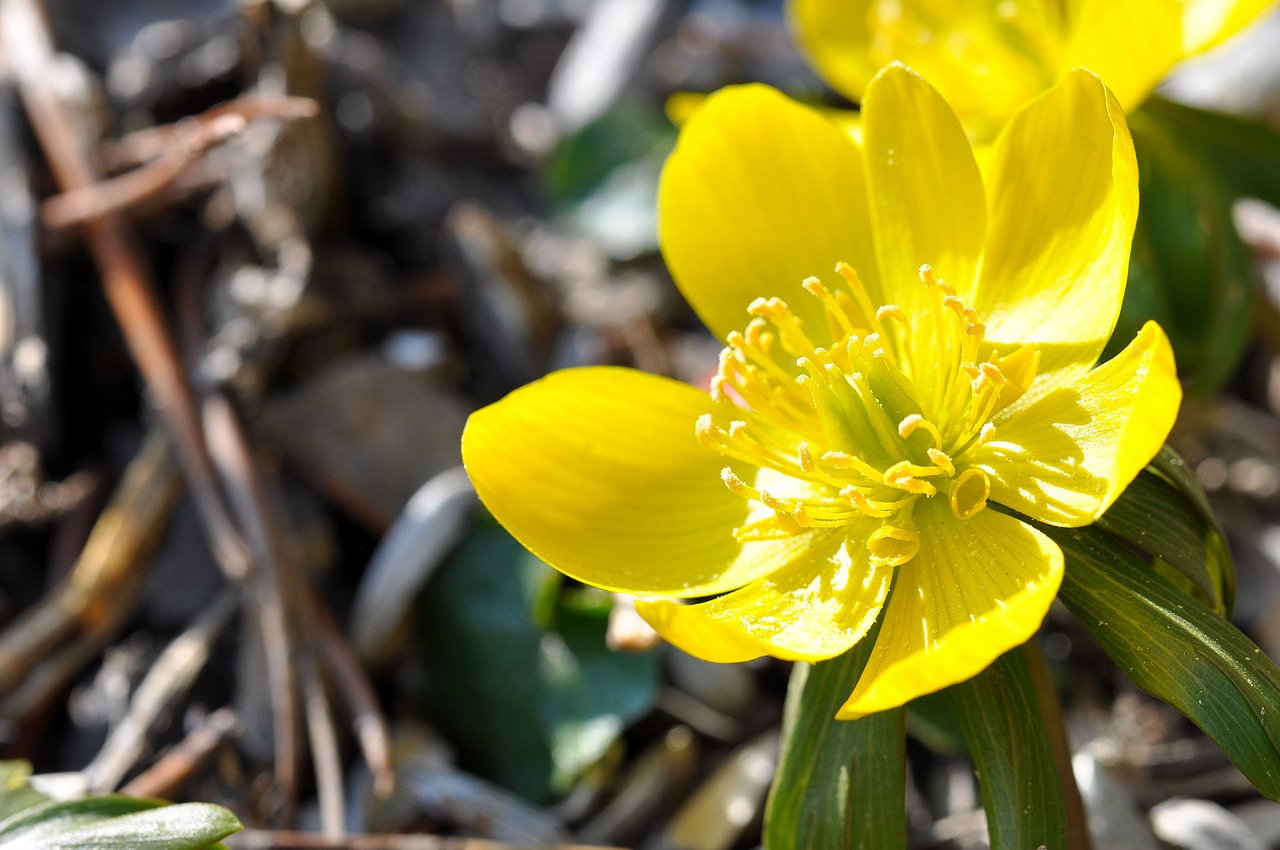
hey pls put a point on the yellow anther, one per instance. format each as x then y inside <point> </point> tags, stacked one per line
<point>942,460</point>
<point>893,545</point>
<point>738,429</point>
<point>984,375</point>
<point>987,434</point>
<point>891,311</point>
<point>857,292</point>
<point>805,456</point>
<point>844,324</point>
<point>786,506</point>
<point>955,305</point>
<point>927,276</point>
<point>849,273</point>
<point>707,432</point>
<point>843,460</point>
<point>737,486</point>
<point>718,393</point>
<point>970,494</point>
<point>777,311</point>
<point>903,475</point>
<point>875,510</point>
<point>915,421</point>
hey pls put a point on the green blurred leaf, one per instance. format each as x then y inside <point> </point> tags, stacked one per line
<point>1004,728</point>
<point>1189,270</point>
<point>117,823</point>
<point>1154,516</point>
<point>15,793</point>
<point>517,674</point>
<point>604,178</point>
<point>839,783</point>
<point>1243,154</point>
<point>931,721</point>
<point>1177,649</point>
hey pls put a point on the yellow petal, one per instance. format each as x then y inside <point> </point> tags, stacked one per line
<point>1064,200</point>
<point>984,64</point>
<point>813,608</point>
<point>976,589</point>
<point>1206,23</point>
<point>926,197</point>
<point>1064,459</point>
<point>759,194</point>
<point>598,472</point>
<point>1131,44</point>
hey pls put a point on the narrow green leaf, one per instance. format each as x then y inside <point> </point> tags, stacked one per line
<point>1176,648</point>
<point>1004,728</point>
<point>117,823</point>
<point>1155,517</point>
<point>1189,269</point>
<point>1170,465</point>
<point>839,783</point>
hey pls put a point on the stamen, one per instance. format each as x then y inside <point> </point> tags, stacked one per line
<point>909,425</point>
<point>891,311</point>
<point>815,288</point>
<point>777,311</point>
<point>902,476</point>
<point>858,291</point>
<point>843,460</point>
<point>943,460</point>
<point>840,424</point>
<point>875,510</point>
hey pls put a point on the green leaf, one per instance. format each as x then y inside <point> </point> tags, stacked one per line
<point>604,178</point>
<point>1189,270</point>
<point>1153,515</point>
<point>517,674</point>
<point>1004,728</point>
<point>839,783</point>
<point>1169,464</point>
<point>931,721</point>
<point>1177,649</point>
<point>1243,154</point>
<point>117,823</point>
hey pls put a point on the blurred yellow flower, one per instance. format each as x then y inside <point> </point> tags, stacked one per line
<point>867,437</point>
<point>988,57</point>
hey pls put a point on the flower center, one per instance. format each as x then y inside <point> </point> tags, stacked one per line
<point>876,419</point>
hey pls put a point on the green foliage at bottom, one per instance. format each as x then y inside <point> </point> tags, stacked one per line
<point>34,822</point>
<point>840,783</point>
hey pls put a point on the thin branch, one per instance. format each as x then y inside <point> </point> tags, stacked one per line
<point>170,676</point>
<point>126,281</point>
<point>167,776</point>
<point>184,145</point>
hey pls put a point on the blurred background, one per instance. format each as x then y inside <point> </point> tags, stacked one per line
<point>306,238</point>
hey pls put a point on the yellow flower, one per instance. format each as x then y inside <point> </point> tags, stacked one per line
<point>988,57</point>
<point>867,431</point>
